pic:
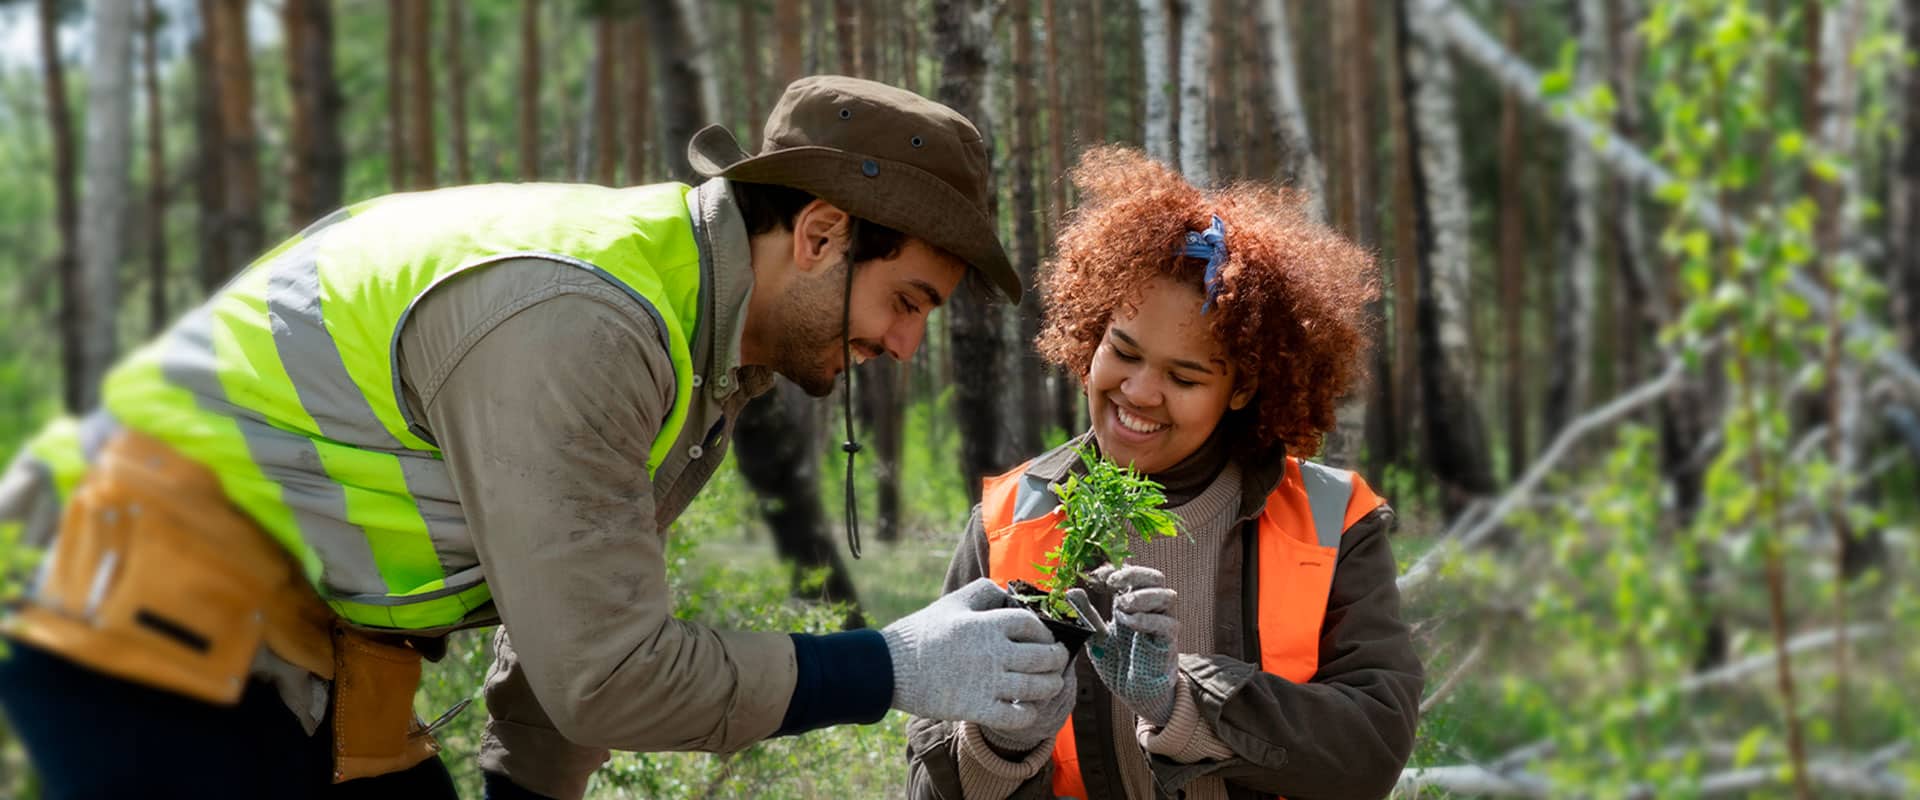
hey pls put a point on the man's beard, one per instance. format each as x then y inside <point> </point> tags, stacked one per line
<point>811,322</point>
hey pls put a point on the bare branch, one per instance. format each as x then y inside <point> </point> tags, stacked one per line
<point>1453,678</point>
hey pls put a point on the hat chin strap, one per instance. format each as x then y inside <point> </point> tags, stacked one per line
<point>850,446</point>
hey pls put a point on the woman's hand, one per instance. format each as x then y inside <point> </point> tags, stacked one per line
<point>1136,659</point>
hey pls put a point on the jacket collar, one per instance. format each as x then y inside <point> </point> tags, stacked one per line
<point>722,236</point>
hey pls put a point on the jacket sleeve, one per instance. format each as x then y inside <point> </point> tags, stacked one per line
<point>1349,731</point>
<point>950,760</point>
<point>545,387</point>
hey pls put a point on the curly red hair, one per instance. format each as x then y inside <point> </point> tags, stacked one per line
<point>1291,302</point>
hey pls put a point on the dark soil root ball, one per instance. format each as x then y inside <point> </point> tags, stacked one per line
<point>1070,631</point>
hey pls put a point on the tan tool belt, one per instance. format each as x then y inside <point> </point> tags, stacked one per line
<point>157,579</point>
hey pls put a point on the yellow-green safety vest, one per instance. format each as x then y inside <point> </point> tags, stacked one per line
<point>284,384</point>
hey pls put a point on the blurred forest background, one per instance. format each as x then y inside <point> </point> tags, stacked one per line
<point>1644,391</point>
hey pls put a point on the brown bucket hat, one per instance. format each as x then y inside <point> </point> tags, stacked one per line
<point>879,153</point>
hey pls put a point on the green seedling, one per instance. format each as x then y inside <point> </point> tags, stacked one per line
<point>1104,509</point>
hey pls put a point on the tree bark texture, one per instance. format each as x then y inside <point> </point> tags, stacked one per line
<point>1512,263</point>
<point>156,177</point>
<point>397,152</point>
<point>1299,166</point>
<point>787,20</point>
<point>1196,45</point>
<point>750,72</point>
<point>457,91</point>
<point>773,442</point>
<point>1570,371</point>
<point>319,158</point>
<point>239,144</point>
<point>682,105</point>
<point>637,104</point>
<point>422,169</point>
<point>66,210</point>
<point>107,200</point>
<point>845,48</point>
<point>210,181</point>
<point>529,127</point>
<point>1032,416</point>
<point>1456,441</point>
<point>1903,225</point>
<point>961,29</point>
<point>606,154</point>
<point>1158,83</point>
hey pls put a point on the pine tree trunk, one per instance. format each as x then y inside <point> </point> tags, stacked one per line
<point>750,71</point>
<point>843,37</point>
<point>1031,413</point>
<point>530,68</point>
<point>882,400</point>
<point>105,207</point>
<point>457,89</point>
<point>319,158</point>
<point>1643,310</point>
<point>1455,436</point>
<point>960,32</point>
<point>66,210</point>
<point>156,178</point>
<point>1054,187</point>
<point>869,40</point>
<point>420,160</point>
<point>1158,81</point>
<point>1196,34</point>
<point>397,153</point>
<point>637,103</point>
<point>233,64</point>
<point>683,108</point>
<point>787,19</point>
<point>772,446</point>
<point>1406,244</point>
<point>1570,372</point>
<point>1903,224</point>
<point>606,154</point>
<point>1223,93</point>
<point>210,182</point>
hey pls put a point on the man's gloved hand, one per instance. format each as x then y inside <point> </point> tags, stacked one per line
<point>968,656</point>
<point>1136,658</point>
<point>1052,713</point>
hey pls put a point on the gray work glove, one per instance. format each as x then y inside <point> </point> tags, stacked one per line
<point>970,657</point>
<point>1135,657</point>
<point>1052,714</point>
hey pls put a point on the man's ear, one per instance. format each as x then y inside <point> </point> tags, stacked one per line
<point>1243,393</point>
<point>820,236</point>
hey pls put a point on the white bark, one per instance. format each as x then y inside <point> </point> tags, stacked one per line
<point>1448,209</point>
<point>1196,40</point>
<point>1157,80</point>
<point>1444,19</point>
<point>1570,373</point>
<point>1303,167</point>
<point>106,196</point>
<point>698,31</point>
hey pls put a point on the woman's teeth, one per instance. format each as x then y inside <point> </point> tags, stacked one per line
<point>1136,424</point>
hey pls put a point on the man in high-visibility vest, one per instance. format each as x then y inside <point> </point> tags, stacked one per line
<point>482,405</point>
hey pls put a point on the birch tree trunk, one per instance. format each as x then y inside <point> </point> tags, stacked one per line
<point>529,100</point>
<point>319,158</point>
<point>109,181</point>
<point>1455,435</point>
<point>961,30</point>
<point>156,178</point>
<point>1196,35</point>
<point>1570,371</point>
<point>1300,166</point>
<point>1158,81</point>
<point>1512,263</point>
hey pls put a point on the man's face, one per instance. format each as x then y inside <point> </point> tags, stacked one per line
<point>891,300</point>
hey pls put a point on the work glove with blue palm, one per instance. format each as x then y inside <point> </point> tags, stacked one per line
<point>1134,655</point>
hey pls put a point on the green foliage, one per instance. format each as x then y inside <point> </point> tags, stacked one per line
<point>1103,509</point>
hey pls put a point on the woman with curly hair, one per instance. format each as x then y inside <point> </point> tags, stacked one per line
<point>1261,651</point>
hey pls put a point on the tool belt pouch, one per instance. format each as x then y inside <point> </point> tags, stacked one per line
<point>374,729</point>
<point>154,578</point>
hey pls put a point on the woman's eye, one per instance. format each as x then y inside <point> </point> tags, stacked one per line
<point>1124,355</point>
<point>1182,382</point>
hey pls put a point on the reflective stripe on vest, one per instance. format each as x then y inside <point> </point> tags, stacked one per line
<point>1300,531</point>
<point>286,386</point>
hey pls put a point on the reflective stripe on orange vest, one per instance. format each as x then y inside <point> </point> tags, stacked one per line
<point>1300,531</point>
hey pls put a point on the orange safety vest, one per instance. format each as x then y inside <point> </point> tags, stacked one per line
<point>1300,532</point>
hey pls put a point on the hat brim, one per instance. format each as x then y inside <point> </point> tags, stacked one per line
<point>900,196</point>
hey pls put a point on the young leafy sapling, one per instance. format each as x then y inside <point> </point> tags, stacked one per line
<point>1101,507</point>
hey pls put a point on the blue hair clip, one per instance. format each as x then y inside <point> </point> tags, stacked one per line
<point>1210,244</point>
